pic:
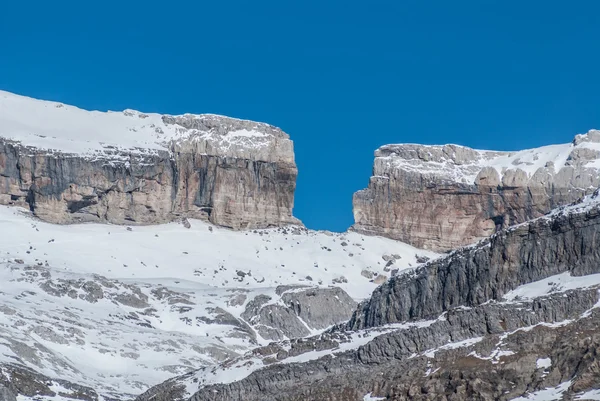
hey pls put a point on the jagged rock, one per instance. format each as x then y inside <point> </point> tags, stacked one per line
<point>496,360</point>
<point>443,197</point>
<point>16,380</point>
<point>567,241</point>
<point>6,394</point>
<point>305,308</point>
<point>233,173</point>
<point>421,259</point>
<point>367,274</point>
<point>472,347</point>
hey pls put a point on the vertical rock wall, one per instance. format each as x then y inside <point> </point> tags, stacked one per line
<point>442,197</point>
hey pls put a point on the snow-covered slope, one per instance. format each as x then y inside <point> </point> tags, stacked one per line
<point>120,309</point>
<point>94,134</point>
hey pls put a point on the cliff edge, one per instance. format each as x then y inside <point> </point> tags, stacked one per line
<point>443,197</point>
<point>70,165</point>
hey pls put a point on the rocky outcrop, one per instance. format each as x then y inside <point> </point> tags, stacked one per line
<point>443,197</point>
<point>567,241</point>
<point>485,353</point>
<point>152,169</point>
<point>19,380</point>
<point>6,394</point>
<point>298,312</point>
<point>445,331</point>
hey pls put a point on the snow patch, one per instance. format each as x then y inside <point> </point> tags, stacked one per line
<point>369,397</point>
<point>549,394</point>
<point>543,363</point>
<point>103,135</point>
<point>417,158</point>
<point>553,284</point>
<point>589,395</point>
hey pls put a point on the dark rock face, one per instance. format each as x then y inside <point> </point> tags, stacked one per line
<point>19,380</point>
<point>477,347</point>
<point>418,363</point>
<point>474,275</point>
<point>6,394</point>
<point>300,311</point>
<point>235,188</point>
<point>444,197</point>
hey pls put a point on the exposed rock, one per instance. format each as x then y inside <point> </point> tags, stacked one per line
<point>233,173</point>
<point>483,353</point>
<point>6,394</point>
<point>367,274</point>
<point>472,347</point>
<point>421,259</point>
<point>566,241</point>
<point>443,197</point>
<point>300,310</point>
<point>19,380</point>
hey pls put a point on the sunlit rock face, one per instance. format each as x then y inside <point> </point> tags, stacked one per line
<point>70,165</point>
<point>441,197</point>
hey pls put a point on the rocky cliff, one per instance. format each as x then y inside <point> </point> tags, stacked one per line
<point>70,165</point>
<point>442,197</point>
<point>513,316</point>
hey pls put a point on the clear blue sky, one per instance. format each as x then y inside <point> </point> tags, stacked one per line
<point>341,77</point>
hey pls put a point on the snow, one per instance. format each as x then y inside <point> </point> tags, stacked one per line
<point>465,170</point>
<point>55,126</point>
<point>171,253</point>
<point>549,394</point>
<point>242,367</point>
<point>543,363</point>
<point>455,345</point>
<point>369,397</point>
<point>589,395</point>
<point>495,356</point>
<point>121,349</point>
<point>553,284</point>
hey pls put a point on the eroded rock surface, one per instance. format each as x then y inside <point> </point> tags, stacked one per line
<point>69,165</point>
<point>443,197</point>
<point>451,330</point>
<point>299,311</point>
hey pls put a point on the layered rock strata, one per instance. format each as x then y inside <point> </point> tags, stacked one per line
<point>448,330</point>
<point>443,197</point>
<point>69,165</point>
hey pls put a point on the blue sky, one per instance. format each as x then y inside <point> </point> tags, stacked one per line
<point>341,77</point>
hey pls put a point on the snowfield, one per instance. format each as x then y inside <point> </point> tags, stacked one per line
<point>55,126</point>
<point>121,309</point>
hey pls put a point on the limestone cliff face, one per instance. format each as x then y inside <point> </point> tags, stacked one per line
<point>135,168</point>
<point>442,197</point>
<point>564,241</point>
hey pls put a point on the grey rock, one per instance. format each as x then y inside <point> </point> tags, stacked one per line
<point>474,275</point>
<point>18,380</point>
<point>300,309</point>
<point>461,296</point>
<point>367,274</point>
<point>236,186</point>
<point>6,394</point>
<point>396,365</point>
<point>418,194</point>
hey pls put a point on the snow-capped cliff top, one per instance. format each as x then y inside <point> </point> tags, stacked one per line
<point>67,129</point>
<point>465,165</point>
